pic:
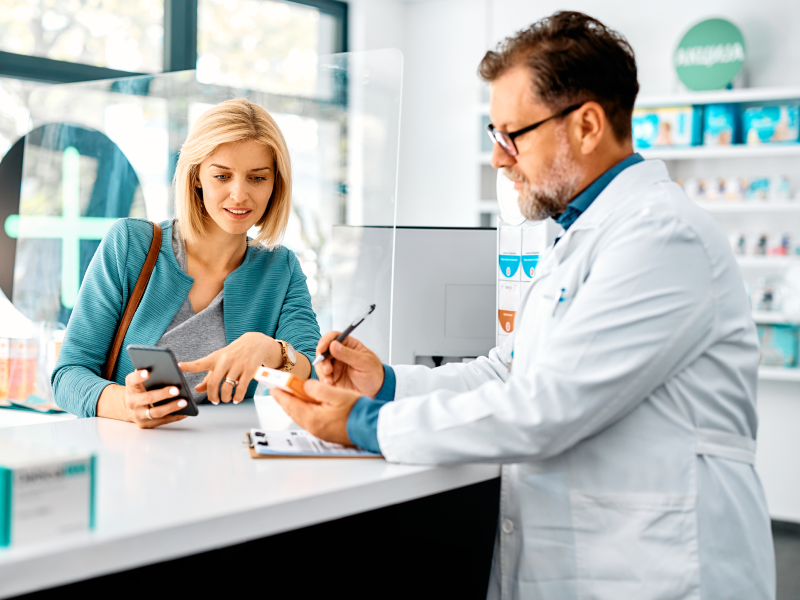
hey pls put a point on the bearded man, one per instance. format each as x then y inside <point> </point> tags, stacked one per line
<point>622,408</point>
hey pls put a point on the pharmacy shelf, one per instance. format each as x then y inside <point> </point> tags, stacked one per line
<point>767,261</point>
<point>744,95</point>
<point>770,317</point>
<point>747,206</point>
<point>735,151</point>
<point>778,374</point>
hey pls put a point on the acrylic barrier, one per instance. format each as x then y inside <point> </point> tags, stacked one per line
<point>105,150</point>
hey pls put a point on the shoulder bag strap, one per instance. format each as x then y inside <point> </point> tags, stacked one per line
<point>133,302</point>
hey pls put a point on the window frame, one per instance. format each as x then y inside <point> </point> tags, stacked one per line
<point>180,47</point>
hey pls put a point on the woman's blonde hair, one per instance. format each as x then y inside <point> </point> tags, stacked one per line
<point>232,121</point>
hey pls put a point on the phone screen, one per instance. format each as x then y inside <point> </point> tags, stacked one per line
<point>164,372</point>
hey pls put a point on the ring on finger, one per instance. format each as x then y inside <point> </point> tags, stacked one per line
<point>147,412</point>
<point>233,382</point>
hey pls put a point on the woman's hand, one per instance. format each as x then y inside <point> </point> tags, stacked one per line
<point>356,367</point>
<point>237,361</point>
<point>138,401</point>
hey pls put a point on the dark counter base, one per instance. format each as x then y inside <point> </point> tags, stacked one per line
<point>435,547</point>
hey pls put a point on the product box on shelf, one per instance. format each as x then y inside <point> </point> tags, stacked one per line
<point>665,127</point>
<point>721,124</point>
<point>779,345</point>
<point>507,306</point>
<point>537,237</point>
<point>508,256</point>
<point>44,492</point>
<point>771,124</point>
<point>768,188</point>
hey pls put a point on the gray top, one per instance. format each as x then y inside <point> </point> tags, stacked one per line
<point>191,336</point>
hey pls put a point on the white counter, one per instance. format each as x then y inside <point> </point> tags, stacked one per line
<point>192,487</point>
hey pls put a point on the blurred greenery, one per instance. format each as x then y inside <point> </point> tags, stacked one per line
<point>262,45</point>
<point>119,34</point>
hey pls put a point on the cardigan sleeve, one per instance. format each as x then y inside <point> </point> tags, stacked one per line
<point>76,379</point>
<point>298,323</point>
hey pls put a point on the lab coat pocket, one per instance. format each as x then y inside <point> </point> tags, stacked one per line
<point>662,562</point>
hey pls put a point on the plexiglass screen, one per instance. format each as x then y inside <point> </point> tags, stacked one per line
<point>100,151</point>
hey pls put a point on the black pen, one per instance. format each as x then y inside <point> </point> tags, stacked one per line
<point>344,334</point>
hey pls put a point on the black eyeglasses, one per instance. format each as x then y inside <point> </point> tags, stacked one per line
<point>506,140</point>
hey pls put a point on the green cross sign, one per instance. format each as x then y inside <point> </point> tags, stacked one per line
<point>71,228</point>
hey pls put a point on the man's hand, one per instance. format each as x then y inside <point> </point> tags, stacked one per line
<point>355,367</point>
<point>327,417</point>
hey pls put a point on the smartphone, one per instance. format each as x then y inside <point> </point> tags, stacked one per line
<point>164,372</point>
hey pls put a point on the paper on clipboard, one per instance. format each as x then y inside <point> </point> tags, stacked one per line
<point>297,443</point>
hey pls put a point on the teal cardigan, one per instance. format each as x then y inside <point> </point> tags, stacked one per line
<point>266,293</point>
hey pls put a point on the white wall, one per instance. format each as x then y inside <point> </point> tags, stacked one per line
<point>444,40</point>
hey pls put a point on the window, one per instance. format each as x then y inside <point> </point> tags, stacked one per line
<point>128,36</point>
<point>262,44</point>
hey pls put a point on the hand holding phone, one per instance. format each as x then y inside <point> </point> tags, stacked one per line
<point>164,377</point>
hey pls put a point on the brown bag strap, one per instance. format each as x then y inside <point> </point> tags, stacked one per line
<point>133,302</point>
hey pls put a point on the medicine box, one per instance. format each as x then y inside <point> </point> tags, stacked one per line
<point>537,238</point>
<point>721,124</point>
<point>771,124</point>
<point>668,126</point>
<point>507,305</point>
<point>779,345</point>
<point>508,252</point>
<point>44,493</point>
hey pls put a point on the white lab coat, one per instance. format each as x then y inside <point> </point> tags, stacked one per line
<point>626,419</point>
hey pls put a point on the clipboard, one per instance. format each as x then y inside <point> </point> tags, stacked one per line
<point>254,454</point>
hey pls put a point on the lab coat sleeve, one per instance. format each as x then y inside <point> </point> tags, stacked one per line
<point>412,380</point>
<point>646,309</point>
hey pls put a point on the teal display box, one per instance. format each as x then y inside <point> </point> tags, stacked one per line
<point>672,126</point>
<point>772,125</point>
<point>779,345</point>
<point>45,493</point>
<point>721,124</point>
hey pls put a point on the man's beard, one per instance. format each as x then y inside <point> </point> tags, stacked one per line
<point>550,198</point>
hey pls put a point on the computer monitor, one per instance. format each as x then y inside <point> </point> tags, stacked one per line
<point>444,291</point>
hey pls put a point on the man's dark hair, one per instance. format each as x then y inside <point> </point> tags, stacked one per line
<point>572,58</point>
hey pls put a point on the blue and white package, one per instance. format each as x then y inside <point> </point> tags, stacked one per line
<point>720,124</point>
<point>508,255</point>
<point>771,124</point>
<point>666,127</point>
<point>779,345</point>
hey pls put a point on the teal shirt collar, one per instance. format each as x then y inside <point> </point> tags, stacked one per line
<point>584,200</point>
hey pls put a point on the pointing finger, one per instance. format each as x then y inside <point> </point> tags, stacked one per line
<point>196,366</point>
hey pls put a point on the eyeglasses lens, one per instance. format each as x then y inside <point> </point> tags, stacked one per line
<point>502,138</point>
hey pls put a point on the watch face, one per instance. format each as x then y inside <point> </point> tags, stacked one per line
<point>291,353</point>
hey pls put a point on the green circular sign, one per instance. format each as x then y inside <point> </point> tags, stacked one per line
<point>710,55</point>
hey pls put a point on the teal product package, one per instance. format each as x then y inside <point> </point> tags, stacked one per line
<point>779,345</point>
<point>44,493</point>
<point>508,253</point>
<point>771,125</point>
<point>721,124</point>
<point>672,126</point>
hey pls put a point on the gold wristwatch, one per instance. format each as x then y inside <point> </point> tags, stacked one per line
<point>289,355</point>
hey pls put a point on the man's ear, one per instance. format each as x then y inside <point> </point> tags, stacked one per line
<point>591,124</point>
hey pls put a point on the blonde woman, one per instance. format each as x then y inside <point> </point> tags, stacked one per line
<point>223,303</point>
